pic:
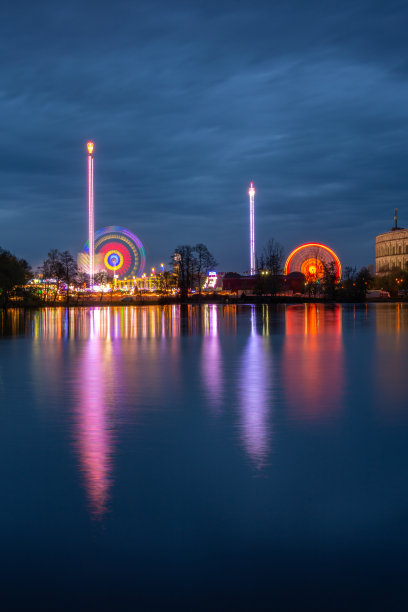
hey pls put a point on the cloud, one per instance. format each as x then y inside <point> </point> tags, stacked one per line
<point>186,103</point>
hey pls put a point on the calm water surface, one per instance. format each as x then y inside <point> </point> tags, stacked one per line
<point>217,458</point>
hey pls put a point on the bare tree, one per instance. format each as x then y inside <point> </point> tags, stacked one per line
<point>329,280</point>
<point>270,267</point>
<point>185,267</point>
<point>60,267</point>
<point>205,262</point>
<point>51,270</point>
<point>69,270</point>
<point>273,257</point>
<point>190,265</point>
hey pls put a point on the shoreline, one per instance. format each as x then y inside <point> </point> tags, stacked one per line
<point>213,300</point>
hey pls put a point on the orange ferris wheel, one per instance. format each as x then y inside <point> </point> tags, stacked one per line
<point>311,259</point>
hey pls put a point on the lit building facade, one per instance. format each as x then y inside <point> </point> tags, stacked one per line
<point>391,251</point>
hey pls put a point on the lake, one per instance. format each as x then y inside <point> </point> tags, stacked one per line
<point>204,458</point>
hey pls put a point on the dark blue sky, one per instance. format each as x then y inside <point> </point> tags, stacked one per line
<point>189,101</point>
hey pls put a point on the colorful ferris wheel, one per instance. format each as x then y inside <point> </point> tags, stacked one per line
<point>118,252</point>
<point>311,259</point>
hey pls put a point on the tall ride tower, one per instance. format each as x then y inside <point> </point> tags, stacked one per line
<point>91,213</point>
<point>251,192</point>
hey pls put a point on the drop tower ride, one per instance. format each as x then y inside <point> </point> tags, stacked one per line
<point>91,213</point>
<point>251,192</point>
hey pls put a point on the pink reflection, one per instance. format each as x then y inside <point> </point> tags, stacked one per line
<point>211,358</point>
<point>313,368</point>
<point>93,426</point>
<point>255,396</point>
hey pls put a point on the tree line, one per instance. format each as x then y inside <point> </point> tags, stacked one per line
<point>191,265</point>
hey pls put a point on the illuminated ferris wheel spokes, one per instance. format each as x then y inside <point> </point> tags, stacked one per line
<point>312,259</point>
<point>118,252</point>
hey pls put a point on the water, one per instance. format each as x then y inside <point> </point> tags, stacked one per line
<point>215,458</point>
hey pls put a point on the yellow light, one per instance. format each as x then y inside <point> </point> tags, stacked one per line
<point>90,147</point>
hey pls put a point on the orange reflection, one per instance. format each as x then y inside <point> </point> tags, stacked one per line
<point>313,368</point>
<point>391,357</point>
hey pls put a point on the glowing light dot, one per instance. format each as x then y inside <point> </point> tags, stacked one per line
<point>90,147</point>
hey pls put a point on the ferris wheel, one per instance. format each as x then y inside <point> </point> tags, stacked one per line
<point>311,259</point>
<point>118,252</point>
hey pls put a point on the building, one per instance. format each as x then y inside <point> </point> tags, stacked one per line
<point>277,285</point>
<point>239,284</point>
<point>391,249</point>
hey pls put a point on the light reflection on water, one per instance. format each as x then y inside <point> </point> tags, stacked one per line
<point>211,360</point>
<point>93,426</point>
<point>256,377</point>
<point>313,366</point>
<point>243,361</point>
<point>390,366</point>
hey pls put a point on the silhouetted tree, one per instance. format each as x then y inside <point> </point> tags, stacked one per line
<point>60,267</point>
<point>354,284</point>
<point>364,281</point>
<point>13,272</point>
<point>204,263</point>
<point>329,280</point>
<point>185,263</point>
<point>51,270</point>
<point>270,267</point>
<point>69,270</point>
<point>395,281</point>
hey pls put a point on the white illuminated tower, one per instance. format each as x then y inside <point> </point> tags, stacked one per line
<point>91,213</point>
<point>251,192</point>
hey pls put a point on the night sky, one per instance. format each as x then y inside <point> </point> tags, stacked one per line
<point>189,101</point>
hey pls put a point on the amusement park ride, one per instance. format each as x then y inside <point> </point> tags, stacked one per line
<point>120,253</point>
<point>312,259</point>
<point>113,249</point>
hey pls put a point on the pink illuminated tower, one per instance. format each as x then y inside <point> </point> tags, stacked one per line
<point>251,192</point>
<point>90,148</point>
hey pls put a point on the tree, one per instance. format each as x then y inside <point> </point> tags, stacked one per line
<point>185,267</point>
<point>51,267</point>
<point>190,265</point>
<point>364,281</point>
<point>69,269</point>
<point>205,262</point>
<point>354,284</point>
<point>166,281</point>
<point>51,270</point>
<point>60,267</point>
<point>13,272</point>
<point>270,267</point>
<point>393,282</point>
<point>329,280</point>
